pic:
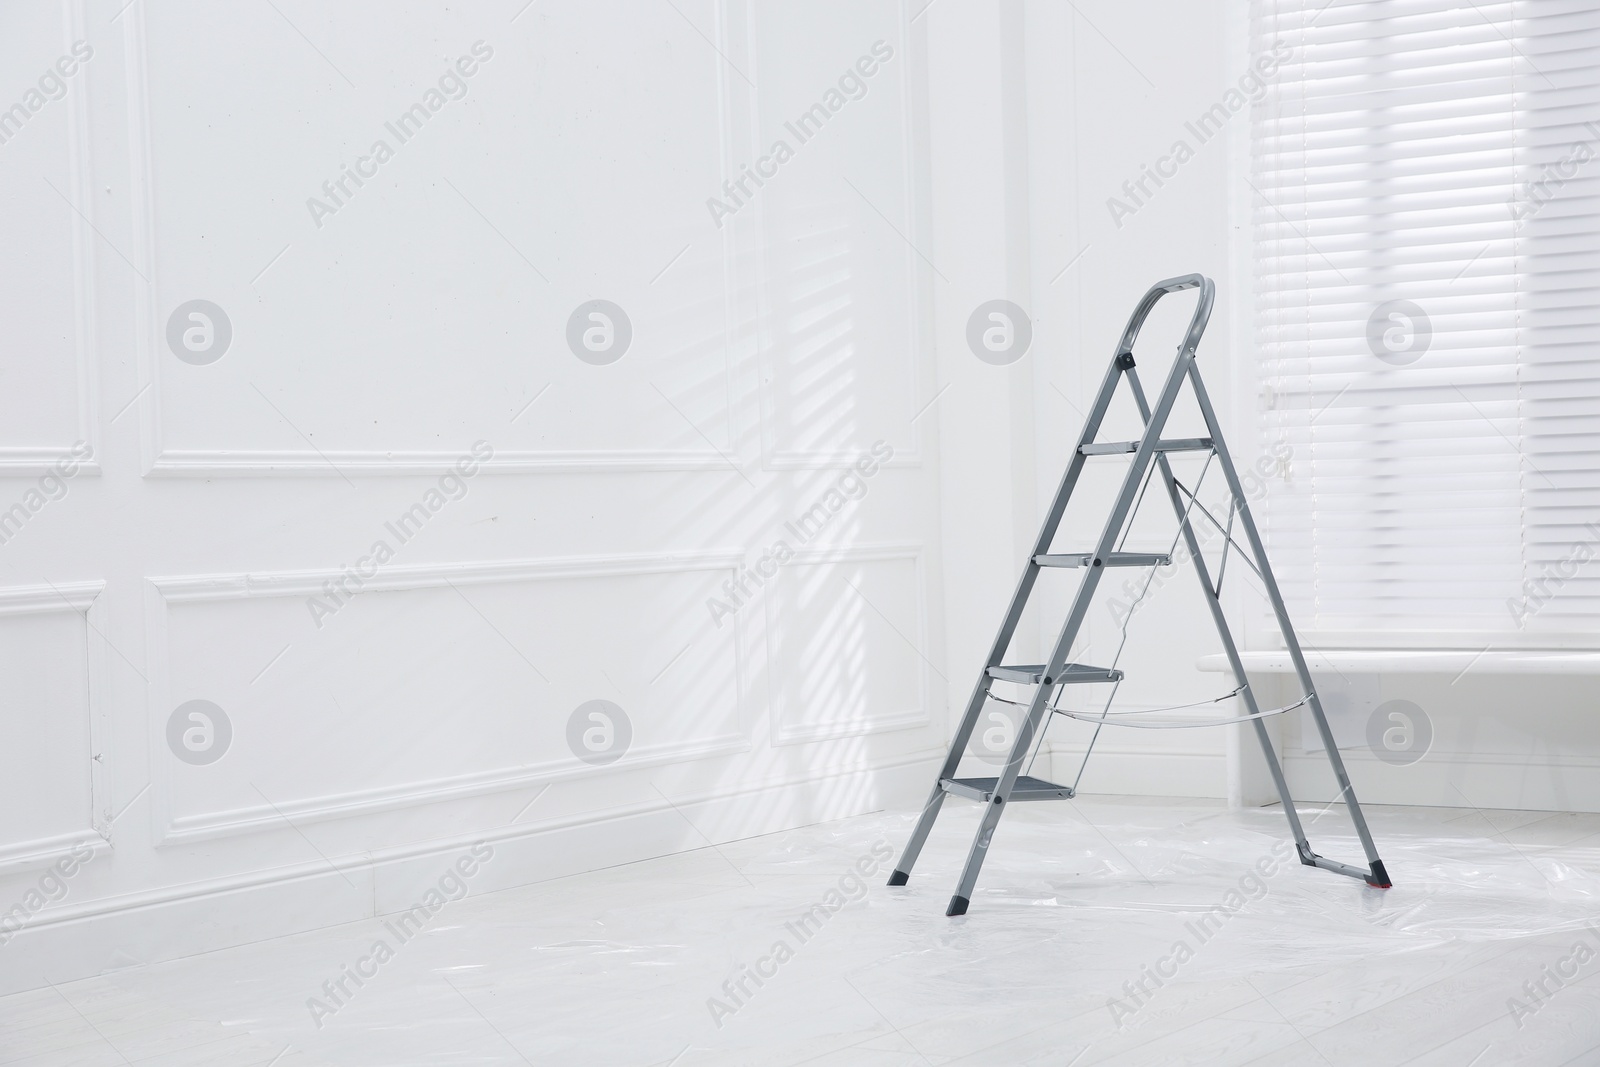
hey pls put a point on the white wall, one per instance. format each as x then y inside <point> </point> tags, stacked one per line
<point>374,342</point>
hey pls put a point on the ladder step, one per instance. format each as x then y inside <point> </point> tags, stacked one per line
<point>1027,787</point>
<point>1117,448</point>
<point>1033,673</point>
<point>1116,559</point>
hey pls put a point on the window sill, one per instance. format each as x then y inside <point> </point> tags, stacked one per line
<point>1416,661</point>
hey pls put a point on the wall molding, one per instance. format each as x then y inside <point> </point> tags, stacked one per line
<point>211,463</point>
<point>26,460</point>
<point>41,852</point>
<point>81,598</point>
<point>234,821</point>
<point>307,582</point>
<point>159,460</point>
<point>23,460</point>
<point>919,715</point>
<point>171,828</point>
<point>45,599</point>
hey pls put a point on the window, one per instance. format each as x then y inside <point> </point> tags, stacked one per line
<point>1426,218</point>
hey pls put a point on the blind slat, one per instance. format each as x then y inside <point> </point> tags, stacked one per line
<point>1425,215</point>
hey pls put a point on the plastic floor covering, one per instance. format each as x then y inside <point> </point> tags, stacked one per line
<point>1104,930</point>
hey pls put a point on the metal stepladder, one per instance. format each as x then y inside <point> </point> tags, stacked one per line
<point>1012,784</point>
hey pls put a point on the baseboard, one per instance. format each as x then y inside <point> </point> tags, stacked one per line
<point>83,940</point>
<point>1453,781</point>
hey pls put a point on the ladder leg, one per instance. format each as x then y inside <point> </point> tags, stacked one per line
<point>1020,747</point>
<point>1224,633</point>
<point>919,836</point>
<point>976,856</point>
<point>1008,626</point>
<point>952,762</point>
<point>1038,707</point>
<point>1302,846</point>
<point>1375,875</point>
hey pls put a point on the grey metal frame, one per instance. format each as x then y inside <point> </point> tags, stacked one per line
<point>1012,785</point>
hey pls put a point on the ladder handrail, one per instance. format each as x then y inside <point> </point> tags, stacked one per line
<point>1197,321</point>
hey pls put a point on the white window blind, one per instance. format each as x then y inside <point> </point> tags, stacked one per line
<point>1426,253</point>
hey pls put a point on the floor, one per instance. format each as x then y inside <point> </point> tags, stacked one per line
<point>1104,930</point>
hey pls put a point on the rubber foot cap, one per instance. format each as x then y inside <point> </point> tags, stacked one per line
<point>958,906</point>
<point>898,878</point>
<point>1379,879</point>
